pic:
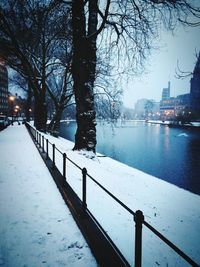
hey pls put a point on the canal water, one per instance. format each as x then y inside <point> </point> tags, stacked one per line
<point>171,154</point>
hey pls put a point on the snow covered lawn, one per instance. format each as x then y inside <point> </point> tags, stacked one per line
<point>36,227</point>
<point>171,210</point>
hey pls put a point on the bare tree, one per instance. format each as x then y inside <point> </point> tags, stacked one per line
<point>126,29</point>
<point>17,81</point>
<point>30,37</point>
<point>182,74</point>
<point>61,95</point>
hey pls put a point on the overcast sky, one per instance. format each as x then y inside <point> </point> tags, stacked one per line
<point>160,68</point>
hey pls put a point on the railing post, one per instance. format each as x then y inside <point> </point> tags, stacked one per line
<point>84,203</point>
<point>43,143</point>
<point>53,156</point>
<point>40,139</point>
<point>64,167</point>
<point>138,218</point>
<point>47,148</point>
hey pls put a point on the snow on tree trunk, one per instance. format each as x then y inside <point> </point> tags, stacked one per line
<point>83,71</point>
<point>54,125</point>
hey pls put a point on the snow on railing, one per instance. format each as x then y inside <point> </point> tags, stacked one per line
<point>138,215</point>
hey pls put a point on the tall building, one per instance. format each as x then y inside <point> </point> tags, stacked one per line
<point>3,88</point>
<point>166,92</point>
<point>195,89</point>
<point>167,104</point>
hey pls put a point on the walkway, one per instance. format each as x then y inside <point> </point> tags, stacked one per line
<point>36,227</point>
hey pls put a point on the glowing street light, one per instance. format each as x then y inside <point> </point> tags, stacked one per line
<point>11,99</point>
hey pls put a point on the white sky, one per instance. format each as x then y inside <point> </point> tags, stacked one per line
<point>160,68</point>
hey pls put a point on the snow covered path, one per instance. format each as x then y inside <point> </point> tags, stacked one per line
<point>36,227</point>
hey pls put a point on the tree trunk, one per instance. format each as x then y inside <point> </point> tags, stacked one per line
<point>40,113</point>
<point>83,72</point>
<point>54,126</point>
<point>28,103</point>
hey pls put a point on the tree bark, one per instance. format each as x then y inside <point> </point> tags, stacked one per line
<point>83,72</point>
<point>28,103</point>
<point>54,125</point>
<point>40,113</point>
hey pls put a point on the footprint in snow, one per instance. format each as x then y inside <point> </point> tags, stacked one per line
<point>75,245</point>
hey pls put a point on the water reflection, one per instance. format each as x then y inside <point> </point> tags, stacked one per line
<point>168,153</point>
<point>166,140</point>
<point>193,160</point>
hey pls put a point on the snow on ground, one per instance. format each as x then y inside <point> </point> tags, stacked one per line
<point>173,211</point>
<point>36,227</point>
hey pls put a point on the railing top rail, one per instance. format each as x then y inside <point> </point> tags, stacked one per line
<point>74,163</point>
<point>110,194</point>
<point>58,150</point>
<point>50,142</point>
<point>156,232</point>
<point>170,244</point>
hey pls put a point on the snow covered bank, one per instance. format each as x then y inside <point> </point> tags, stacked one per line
<point>171,210</point>
<point>36,227</point>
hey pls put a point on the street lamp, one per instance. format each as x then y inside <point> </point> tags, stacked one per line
<point>30,110</point>
<point>17,110</point>
<point>11,99</point>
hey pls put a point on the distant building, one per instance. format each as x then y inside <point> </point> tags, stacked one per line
<point>3,88</point>
<point>140,108</point>
<point>173,106</point>
<point>195,89</point>
<point>146,108</point>
<point>167,104</point>
<point>166,92</point>
<point>182,104</point>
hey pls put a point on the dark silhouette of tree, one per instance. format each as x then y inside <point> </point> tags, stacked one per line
<point>182,74</point>
<point>194,110</point>
<point>126,28</point>
<point>31,36</point>
<point>17,81</point>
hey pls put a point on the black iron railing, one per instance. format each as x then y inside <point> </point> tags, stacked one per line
<point>138,215</point>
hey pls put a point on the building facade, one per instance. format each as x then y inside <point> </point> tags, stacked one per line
<point>167,104</point>
<point>195,89</point>
<point>3,88</point>
<point>166,92</point>
<point>182,104</point>
<point>171,107</point>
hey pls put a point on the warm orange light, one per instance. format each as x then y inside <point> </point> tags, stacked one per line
<point>17,107</point>
<point>30,110</point>
<point>11,98</point>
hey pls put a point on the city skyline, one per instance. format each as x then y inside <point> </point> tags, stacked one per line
<point>181,47</point>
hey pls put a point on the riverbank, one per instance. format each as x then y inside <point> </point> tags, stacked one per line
<point>171,154</point>
<point>171,210</point>
<point>176,124</point>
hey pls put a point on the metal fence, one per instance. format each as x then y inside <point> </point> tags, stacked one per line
<point>138,216</point>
